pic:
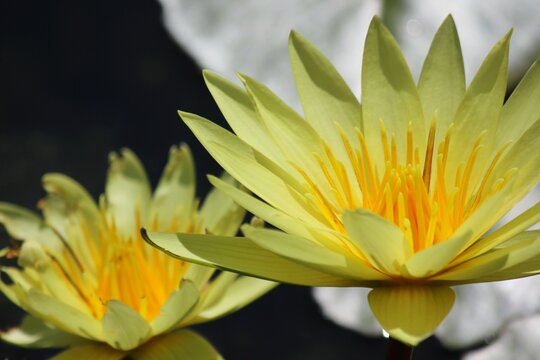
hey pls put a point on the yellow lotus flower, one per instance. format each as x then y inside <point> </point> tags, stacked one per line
<point>88,281</point>
<point>396,194</point>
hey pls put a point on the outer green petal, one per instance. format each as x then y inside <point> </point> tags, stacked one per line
<point>442,80</point>
<point>241,255</point>
<point>63,316</point>
<point>388,93</point>
<point>326,98</point>
<point>91,352</point>
<point>123,328</point>
<point>176,308</point>
<point>408,313</point>
<point>240,293</point>
<point>238,160</point>
<point>237,108</point>
<point>127,191</point>
<point>179,345</point>
<point>219,213</point>
<point>480,108</point>
<point>522,109</point>
<point>380,241</point>
<point>34,333</point>
<point>311,254</point>
<point>173,200</point>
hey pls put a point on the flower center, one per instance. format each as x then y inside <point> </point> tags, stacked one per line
<point>419,195</point>
<point>109,266</point>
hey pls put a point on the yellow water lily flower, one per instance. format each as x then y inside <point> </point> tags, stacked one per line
<point>396,194</point>
<point>89,282</point>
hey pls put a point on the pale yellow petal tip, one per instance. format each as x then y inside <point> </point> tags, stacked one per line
<point>411,314</point>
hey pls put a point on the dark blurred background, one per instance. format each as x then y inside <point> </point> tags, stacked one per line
<point>79,79</point>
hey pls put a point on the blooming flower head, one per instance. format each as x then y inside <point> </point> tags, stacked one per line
<point>88,281</point>
<point>395,194</point>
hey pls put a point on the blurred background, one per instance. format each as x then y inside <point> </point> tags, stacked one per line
<point>79,79</point>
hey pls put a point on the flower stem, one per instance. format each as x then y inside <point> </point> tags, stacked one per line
<point>398,351</point>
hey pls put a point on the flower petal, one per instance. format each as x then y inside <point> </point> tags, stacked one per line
<point>219,213</point>
<point>240,255</point>
<point>238,109</point>
<point>95,351</point>
<point>383,243</point>
<point>174,198</point>
<point>240,293</point>
<point>176,307</point>
<point>311,254</point>
<point>388,94</point>
<point>408,313</point>
<point>238,160</point>
<point>34,333</point>
<point>20,223</point>
<point>326,98</point>
<point>442,80</point>
<point>63,316</point>
<point>123,328</point>
<point>127,192</point>
<point>178,345</point>
<point>480,108</point>
<point>522,108</point>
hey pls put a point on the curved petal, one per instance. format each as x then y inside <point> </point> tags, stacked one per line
<point>123,328</point>
<point>20,223</point>
<point>127,192</point>
<point>34,333</point>
<point>172,204</point>
<point>239,254</point>
<point>178,345</point>
<point>408,313</point>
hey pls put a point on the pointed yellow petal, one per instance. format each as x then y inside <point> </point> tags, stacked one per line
<point>175,308</point>
<point>408,313</point>
<point>238,109</point>
<point>123,328</point>
<point>20,223</point>
<point>127,191</point>
<point>240,255</point>
<point>480,108</point>
<point>34,333</point>
<point>325,97</point>
<point>91,352</point>
<point>388,93</point>
<point>178,345</point>
<point>380,241</point>
<point>522,108</point>
<point>173,200</point>
<point>442,80</point>
<point>238,160</point>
